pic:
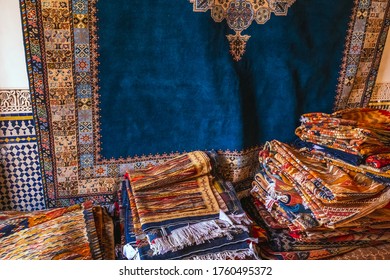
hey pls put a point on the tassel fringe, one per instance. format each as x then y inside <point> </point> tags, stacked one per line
<point>194,234</point>
<point>227,255</point>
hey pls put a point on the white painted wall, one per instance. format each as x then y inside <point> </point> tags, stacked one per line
<point>13,72</point>
<point>384,68</point>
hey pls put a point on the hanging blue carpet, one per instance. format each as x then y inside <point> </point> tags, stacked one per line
<point>121,85</point>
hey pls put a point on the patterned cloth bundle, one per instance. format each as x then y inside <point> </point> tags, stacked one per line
<point>359,136</point>
<point>360,131</point>
<point>314,209</point>
<point>80,231</point>
<point>179,210</point>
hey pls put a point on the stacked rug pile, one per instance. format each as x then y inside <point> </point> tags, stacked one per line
<point>330,193</point>
<point>357,138</point>
<point>180,210</point>
<point>81,231</point>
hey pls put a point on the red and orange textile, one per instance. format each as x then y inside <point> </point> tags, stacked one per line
<point>359,131</point>
<point>61,233</point>
<point>380,161</point>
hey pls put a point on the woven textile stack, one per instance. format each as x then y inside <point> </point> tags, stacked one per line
<point>180,210</point>
<point>330,193</point>
<point>356,138</point>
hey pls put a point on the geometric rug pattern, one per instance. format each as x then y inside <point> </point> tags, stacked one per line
<point>381,96</point>
<point>21,185</point>
<point>364,47</point>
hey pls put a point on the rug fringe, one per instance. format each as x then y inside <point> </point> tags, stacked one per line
<point>241,220</point>
<point>227,255</point>
<point>194,234</point>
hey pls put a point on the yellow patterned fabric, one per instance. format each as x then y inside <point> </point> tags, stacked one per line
<point>62,233</point>
<point>193,197</point>
<point>176,189</point>
<point>185,166</point>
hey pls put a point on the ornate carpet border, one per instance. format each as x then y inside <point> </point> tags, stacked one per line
<point>363,52</point>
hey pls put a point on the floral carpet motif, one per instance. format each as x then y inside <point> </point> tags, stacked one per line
<point>239,15</point>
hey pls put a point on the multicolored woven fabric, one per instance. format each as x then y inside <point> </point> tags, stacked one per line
<point>279,245</point>
<point>360,131</point>
<point>178,215</point>
<point>368,166</point>
<point>334,195</point>
<point>175,190</point>
<point>235,246</point>
<point>312,208</point>
<point>62,233</point>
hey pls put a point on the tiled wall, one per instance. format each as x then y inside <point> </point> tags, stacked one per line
<point>20,175</point>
